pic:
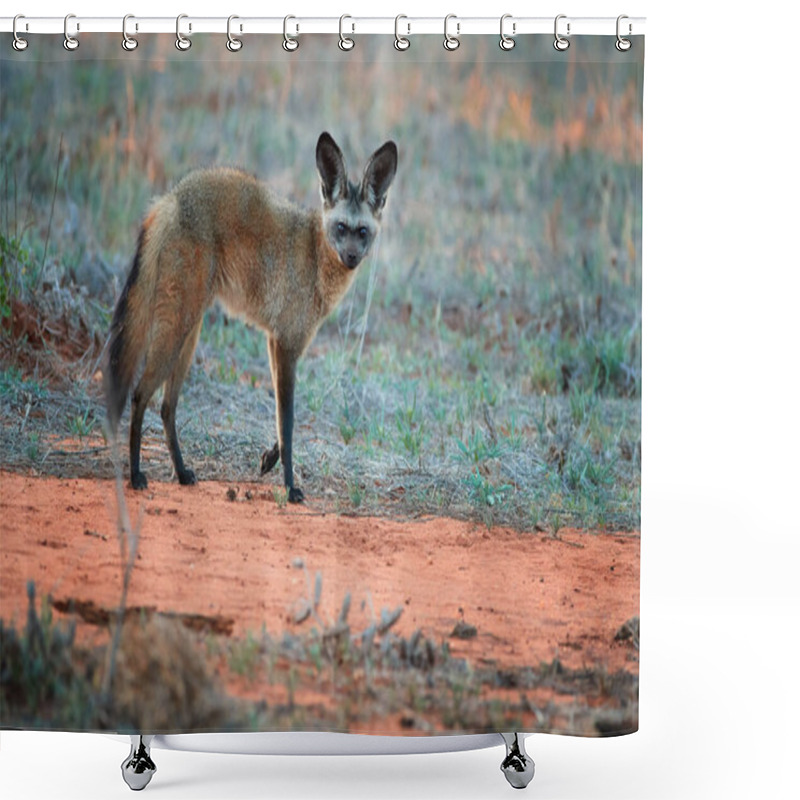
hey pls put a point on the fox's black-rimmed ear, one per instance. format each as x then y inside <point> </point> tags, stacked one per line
<point>331,168</point>
<point>378,176</point>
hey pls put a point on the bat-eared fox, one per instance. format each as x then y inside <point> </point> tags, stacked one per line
<point>222,235</point>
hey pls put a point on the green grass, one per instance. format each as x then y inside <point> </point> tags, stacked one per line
<point>17,274</point>
<point>16,387</point>
<point>476,449</point>
<point>83,424</point>
<point>244,656</point>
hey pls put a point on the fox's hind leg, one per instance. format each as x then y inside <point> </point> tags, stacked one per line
<point>150,381</point>
<point>163,365</point>
<point>171,393</point>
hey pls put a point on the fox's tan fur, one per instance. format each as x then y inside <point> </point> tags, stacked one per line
<point>236,223</point>
<point>222,234</point>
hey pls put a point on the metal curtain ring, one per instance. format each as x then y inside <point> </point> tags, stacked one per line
<point>128,42</point>
<point>182,42</point>
<point>507,42</point>
<point>233,44</point>
<point>19,43</point>
<point>290,43</point>
<point>622,44</point>
<point>70,42</point>
<point>345,43</point>
<point>451,42</point>
<point>401,42</point>
<point>560,42</point>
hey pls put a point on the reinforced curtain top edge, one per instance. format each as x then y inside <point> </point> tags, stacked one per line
<point>460,26</point>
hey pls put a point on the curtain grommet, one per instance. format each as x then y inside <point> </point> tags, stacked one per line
<point>70,42</point>
<point>561,43</point>
<point>451,42</point>
<point>290,43</point>
<point>183,43</point>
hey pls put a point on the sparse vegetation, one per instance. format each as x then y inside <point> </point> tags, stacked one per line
<point>82,425</point>
<point>466,327</point>
<point>15,272</point>
<point>375,673</point>
<point>48,681</point>
<point>244,655</point>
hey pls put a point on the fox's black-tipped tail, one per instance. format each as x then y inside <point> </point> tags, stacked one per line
<point>122,351</point>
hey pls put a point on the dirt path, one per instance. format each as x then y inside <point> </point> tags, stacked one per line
<point>233,562</point>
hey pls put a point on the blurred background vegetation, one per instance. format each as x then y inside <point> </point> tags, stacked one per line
<point>487,363</point>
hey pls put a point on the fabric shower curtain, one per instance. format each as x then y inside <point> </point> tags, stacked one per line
<point>444,249</point>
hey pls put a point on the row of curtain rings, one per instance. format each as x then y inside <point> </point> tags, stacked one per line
<point>292,42</point>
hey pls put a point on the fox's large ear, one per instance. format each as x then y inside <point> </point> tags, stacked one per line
<point>331,168</point>
<point>378,176</point>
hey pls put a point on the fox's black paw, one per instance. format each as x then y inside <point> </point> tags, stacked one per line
<point>187,478</point>
<point>139,480</point>
<point>295,495</point>
<point>269,459</point>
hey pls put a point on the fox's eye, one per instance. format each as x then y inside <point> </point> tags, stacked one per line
<point>362,232</point>
<point>341,228</point>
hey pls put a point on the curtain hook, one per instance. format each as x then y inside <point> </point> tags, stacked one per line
<point>233,44</point>
<point>623,44</point>
<point>345,43</point>
<point>507,42</point>
<point>19,43</point>
<point>182,42</point>
<point>401,42</point>
<point>451,42</point>
<point>70,42</point>
<point>128,42</point>
<point>561,43</point>
<point>290,43</point>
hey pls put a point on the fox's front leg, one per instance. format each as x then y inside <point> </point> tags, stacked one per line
<point>283,363</point>
<point>269,458</point>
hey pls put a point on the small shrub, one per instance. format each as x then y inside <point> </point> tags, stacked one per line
<point>44,681</point>
<point>82,425</point>
<point>16,272</point>
<point>477,450</point>
<point>483,493</point>
<point>244,656</point>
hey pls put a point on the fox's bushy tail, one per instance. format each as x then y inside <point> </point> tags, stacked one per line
<point>124,345</point>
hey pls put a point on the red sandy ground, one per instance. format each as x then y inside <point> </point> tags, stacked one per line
<point>531,597</point>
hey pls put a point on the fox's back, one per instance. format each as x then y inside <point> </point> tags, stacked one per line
<point>248,247</point>
<point>221,203</point>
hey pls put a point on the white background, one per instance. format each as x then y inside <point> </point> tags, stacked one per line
<point>720,603</point>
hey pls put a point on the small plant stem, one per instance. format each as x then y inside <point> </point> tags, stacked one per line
<point>52,209</point>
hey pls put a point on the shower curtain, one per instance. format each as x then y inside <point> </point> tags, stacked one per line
<point>444,249</point>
